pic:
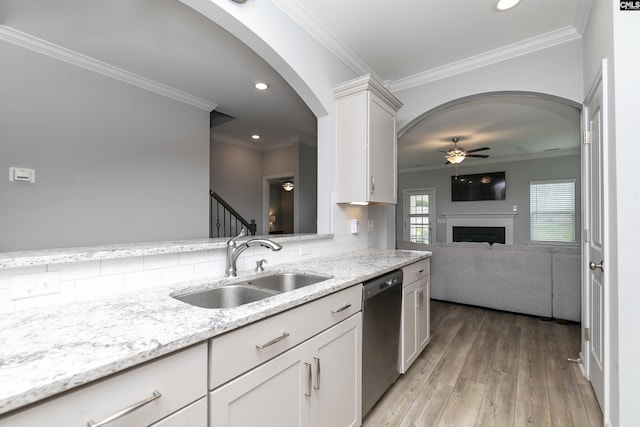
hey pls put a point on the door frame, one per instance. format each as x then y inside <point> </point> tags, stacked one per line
<point>600,80</point>
<point>432,211</point>
<point>266,181</point>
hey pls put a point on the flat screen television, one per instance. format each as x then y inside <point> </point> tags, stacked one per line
<point>478,186</point>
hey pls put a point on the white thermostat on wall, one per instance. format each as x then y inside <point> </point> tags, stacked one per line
<point>22,175</point>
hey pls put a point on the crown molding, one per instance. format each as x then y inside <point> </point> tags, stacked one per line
<point>495,160</point>
<point>16,37</point>
<point>311,25</point>
<point>255,147</point>
<point>514,50</point>
<point>583,10</point>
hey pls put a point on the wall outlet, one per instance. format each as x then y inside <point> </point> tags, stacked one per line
<point>355,225</point>
<point>33,285</point>
<point>515,208</point>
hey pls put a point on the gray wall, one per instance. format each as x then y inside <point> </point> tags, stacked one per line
<point>518,175</point>
<point>306,200</point>
<point>237,175</point>
<point>114,163</point>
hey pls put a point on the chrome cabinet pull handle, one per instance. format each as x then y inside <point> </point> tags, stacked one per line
<point>125,411</point>
<point>373,184</point>
<point>420,298</point>
<point>420,271</point>
<point>317,384</point>
<point>308,392</point>
<point>343,308</point>
<point>593,265</point>
<point>273,341</point>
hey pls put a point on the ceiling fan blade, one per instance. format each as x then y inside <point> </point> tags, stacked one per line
<point>481,156</point>
<point>478,149</point>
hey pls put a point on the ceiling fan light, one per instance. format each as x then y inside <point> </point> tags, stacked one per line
<point>455,158</point>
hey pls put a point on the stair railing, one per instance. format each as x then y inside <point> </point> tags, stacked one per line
<point>224,221</point>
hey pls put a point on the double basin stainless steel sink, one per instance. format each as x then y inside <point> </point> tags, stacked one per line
<point>239,293</point>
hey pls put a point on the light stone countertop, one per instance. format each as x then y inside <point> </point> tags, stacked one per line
<point>31,258</point>
<point>53,349</point>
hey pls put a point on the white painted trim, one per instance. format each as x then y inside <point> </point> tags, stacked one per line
<point>305,19</point>
<point>432,210</point>
<point>492,219</point>
<point>513,50</point>
<point>317,30</point>
<point>18,38</point>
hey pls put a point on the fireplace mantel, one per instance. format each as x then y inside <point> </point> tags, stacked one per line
<point>495,219</point>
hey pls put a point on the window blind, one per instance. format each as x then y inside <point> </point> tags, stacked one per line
<point>552,211</point>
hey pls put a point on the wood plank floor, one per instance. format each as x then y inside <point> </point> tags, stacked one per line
<point>491,368</point>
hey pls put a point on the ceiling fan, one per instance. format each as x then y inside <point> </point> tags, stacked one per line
<point>456,154</point>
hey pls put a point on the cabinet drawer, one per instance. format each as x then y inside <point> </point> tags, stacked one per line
<point>180,378</point>
<point>415,271</point>
<point>194,415</point>
<point>239,351</point>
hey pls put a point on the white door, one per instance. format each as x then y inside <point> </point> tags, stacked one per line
<point>594,286</point>
<point>419,215</point>
<point>275,394</point>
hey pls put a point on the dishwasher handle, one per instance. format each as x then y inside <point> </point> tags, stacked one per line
<point>382,284</point>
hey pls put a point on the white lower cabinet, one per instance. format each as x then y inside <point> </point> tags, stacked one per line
<point>317,383</point>
<point>170,391</point>
<point>415,313</point>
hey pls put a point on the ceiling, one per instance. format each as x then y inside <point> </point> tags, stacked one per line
<point>413,41</point>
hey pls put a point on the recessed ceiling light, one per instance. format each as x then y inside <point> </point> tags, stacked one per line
<point>261,86</point>
<point>256,137</point>
<point>506,4</point>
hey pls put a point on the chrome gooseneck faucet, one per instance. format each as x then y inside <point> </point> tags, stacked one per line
<point>234,250</point>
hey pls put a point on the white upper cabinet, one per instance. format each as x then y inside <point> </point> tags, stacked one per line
<point>366,142</point>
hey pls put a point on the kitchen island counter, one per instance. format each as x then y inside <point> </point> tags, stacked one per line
<point>53,349</point>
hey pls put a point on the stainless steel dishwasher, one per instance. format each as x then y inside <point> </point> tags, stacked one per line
<point>381,311</point>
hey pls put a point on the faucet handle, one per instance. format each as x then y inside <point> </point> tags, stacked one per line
<point>243,232</point>
<point>259,263</point>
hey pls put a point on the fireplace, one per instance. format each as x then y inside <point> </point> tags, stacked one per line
<point>490,235</point>
<point>481,220</point>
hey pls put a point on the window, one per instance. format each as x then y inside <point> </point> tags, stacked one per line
<point>419,211</point>
<point>553,213</point>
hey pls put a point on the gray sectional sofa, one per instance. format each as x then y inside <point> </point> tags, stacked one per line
<point>529,279</point>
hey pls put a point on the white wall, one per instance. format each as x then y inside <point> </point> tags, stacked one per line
<point>114,163</point>
<point>518,174</point>
<point>627,94</point>
<point>554,71</point>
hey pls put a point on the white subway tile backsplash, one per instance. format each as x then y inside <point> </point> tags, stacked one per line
<point>76,270</point>
<point>142,280</point>
<point>195,257</point>
<point>90,279</point>
<point>99,286</point>
<point>152,262</point>
<point>121,265</point>
<point>208,269</point>
<point>177,274</point>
